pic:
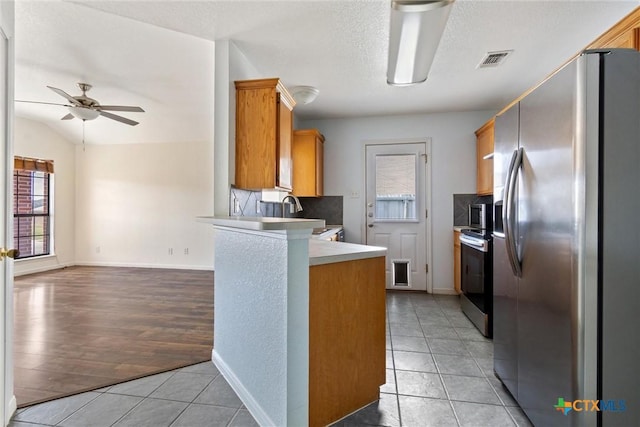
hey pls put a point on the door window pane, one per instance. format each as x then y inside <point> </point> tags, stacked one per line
<point>396,187</point>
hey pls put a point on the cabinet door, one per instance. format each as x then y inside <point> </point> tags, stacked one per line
<point>255,141</point>
<point>484,147</point>
<point>285,135</point>
<point>456,261</point>
<point>626,40</point>
<point>319,167</point>
<point>308,159</point>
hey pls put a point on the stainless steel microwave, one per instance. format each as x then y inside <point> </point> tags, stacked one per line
<point>480,216</point>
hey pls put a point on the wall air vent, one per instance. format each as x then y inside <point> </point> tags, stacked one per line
<point>493,59</point>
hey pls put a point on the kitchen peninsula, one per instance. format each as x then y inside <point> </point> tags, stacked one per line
<point>299,324</point>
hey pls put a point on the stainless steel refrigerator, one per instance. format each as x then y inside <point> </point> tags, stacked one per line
<point>567,244</point>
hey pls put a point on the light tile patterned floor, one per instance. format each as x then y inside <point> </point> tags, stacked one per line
<point>439,373</point>
<point>193,396</point>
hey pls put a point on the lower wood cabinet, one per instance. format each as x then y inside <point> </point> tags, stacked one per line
<point>347,343</point>
<point>456,261</point>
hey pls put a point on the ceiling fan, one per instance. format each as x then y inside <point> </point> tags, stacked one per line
<point>85,108</point>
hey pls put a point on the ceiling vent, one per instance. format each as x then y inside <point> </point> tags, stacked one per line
<point>493,59</point>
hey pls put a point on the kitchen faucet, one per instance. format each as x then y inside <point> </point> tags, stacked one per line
<point>298,207</point>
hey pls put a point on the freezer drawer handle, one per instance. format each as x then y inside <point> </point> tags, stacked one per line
<point>509,211</point>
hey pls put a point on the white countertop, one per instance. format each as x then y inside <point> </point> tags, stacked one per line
<point>329,231</point>
<point>325,252</point>
<point>320,251</point>
<point>262,223</point>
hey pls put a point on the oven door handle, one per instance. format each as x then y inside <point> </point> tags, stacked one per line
<point>509,211</point>
<point>482,246</point>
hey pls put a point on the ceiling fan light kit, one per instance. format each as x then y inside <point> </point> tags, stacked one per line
<point>416,28</point>
<point>83,113</point>
<point>85,108</point>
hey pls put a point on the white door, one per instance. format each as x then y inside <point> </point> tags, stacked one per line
<point>396,211</point>
<point>7,401</point>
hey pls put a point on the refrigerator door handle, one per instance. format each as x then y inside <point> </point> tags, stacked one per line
<point>509,212</point>
<point>506,203</point>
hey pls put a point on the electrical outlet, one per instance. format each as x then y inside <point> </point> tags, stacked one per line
<point>355,194</point>
<point>186,251</point>
<point>170,251</point>
<point>97,249</point>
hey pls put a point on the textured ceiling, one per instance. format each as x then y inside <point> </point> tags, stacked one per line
<point>339,46</point>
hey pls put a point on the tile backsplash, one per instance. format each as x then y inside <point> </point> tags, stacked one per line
<point>329,208</point>
<point>245,203</point>
<point>461,204</point>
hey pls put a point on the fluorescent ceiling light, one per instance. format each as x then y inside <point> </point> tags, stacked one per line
<point>416,29</point>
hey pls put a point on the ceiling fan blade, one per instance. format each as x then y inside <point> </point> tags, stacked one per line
<point>121,108</point>
<point>67,117</point>
<point>64,94</point>
<point>118,118</point>
<point>47,103</point>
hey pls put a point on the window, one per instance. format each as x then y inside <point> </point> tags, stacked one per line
<point>396,187</point>
<point>31,207</point>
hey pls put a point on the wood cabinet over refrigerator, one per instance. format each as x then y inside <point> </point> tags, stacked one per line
<point>264,120</point>
<point>484,153</point>
<point>308,160</point>
<point>625,34</point>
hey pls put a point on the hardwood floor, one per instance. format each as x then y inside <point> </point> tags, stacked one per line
<point>82,328</point>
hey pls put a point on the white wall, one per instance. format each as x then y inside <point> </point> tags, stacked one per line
<point>34,139</point>
<point>230,65</point>
<point>261,322</point>
<point>453,169</point>
<point>134,202</point>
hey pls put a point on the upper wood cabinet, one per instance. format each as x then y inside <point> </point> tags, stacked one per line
<point>308,163</point>
<point>264,133</point>
<point>629,39</point>
<point>484,148</point>
<point>624,34</point>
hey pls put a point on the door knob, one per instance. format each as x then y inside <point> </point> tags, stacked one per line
<point>370,225</point>
<point>9,253</point>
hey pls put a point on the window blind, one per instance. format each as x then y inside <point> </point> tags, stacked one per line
<point>29,164</point>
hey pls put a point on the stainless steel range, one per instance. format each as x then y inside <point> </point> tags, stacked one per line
<point>476,262</point>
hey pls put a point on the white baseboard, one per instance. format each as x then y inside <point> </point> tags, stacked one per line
<point>41,269</point>
<point>11,409</point>
<point>252,405</point>
<point>444,291</point>
<point>144,265</point>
